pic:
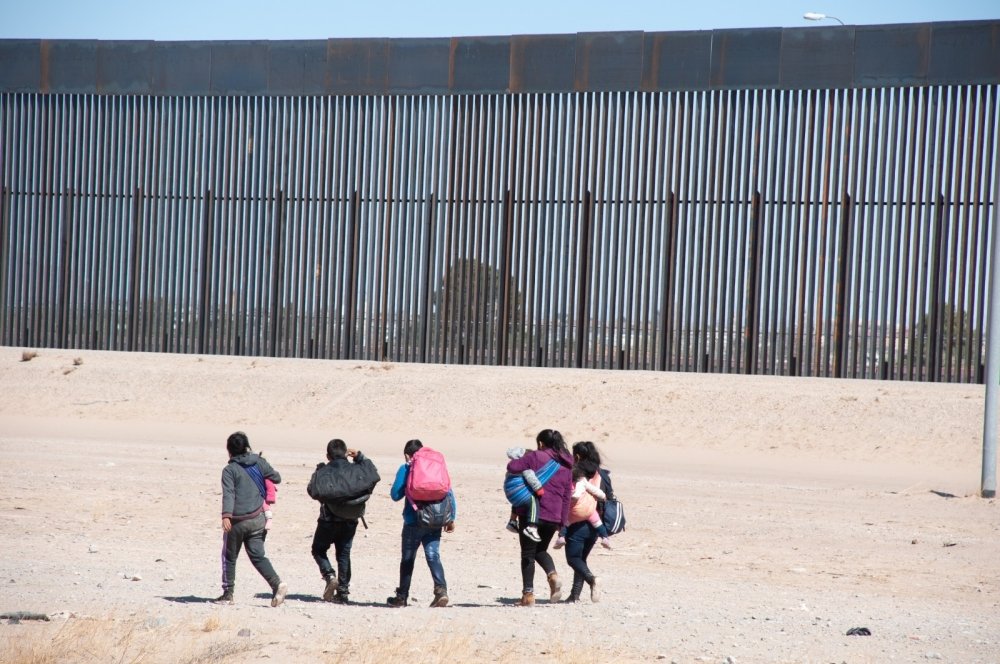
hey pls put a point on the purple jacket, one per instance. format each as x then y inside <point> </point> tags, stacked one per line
<point>553,505</point>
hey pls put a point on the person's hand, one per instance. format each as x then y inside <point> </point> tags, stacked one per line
<point>227,524</point>
<point>449,527</point>
<point>351,453</point>
<point>540,492</point>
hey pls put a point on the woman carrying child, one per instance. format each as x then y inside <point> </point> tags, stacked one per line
<point>581,534</point>
<point>553,511</point>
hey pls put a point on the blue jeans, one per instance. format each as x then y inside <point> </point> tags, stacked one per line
<point>580,539</point>
<point>413,538</point>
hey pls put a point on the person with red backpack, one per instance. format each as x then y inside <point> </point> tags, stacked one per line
<point>429,507</point>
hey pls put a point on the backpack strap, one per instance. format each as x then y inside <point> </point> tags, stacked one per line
<point>257,477</point>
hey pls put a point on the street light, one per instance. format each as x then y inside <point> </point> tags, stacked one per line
<point>816,16</point>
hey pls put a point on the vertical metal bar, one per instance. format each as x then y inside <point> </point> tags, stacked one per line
<point>669,269</point>
<point>583,277</point>
<point>840,318</point>
<point>988,483</point>
<point>353,247</point>
<point>936,303</point>
<point>5,266</point>
<point>425,346</point>
<point>507,242</point>
<point>753,286</point>
<point>206,270</point>
<point>276,306</point>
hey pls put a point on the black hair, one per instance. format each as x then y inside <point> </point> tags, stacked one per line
<point>584,469</point>
<point>336,449</point>
<point>551,439</point>
<point>237,444</point>
<point>411,447</point>
<point>587,451</point>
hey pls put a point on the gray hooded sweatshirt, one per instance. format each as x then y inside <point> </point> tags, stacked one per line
<point>241,498</point>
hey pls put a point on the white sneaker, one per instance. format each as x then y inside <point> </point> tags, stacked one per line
<point>595,590</point>
<point>282,590</point>
<point>560,542</point>
<point>532,533</point>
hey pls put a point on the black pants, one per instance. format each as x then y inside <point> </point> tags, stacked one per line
<point>536,552</point>
<point>341,535</point>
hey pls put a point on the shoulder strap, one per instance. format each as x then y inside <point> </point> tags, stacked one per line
<point>545,473</point>
<point>606,484</point>
<point>257,477</point>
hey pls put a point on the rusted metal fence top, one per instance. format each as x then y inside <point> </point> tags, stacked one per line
<point>784,58</point>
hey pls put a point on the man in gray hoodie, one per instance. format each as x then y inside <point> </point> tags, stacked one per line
<point>243,517</point>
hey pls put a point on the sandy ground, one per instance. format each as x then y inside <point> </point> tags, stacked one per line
<point>767,516</point>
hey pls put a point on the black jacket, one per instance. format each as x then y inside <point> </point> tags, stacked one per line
<point>350,510</point>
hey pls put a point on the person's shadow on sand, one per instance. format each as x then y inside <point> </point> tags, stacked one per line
<point>188,599</point>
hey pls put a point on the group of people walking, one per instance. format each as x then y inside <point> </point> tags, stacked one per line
<point>555,493</point>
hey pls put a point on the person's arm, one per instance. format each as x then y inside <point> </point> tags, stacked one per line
<point>567,495</point>
<point>594,491</point>
<point>311,487</point>
<point>228,498</point>
<point>268,471</point>
<point>579,489</point>
<point>450,526</point>
<point>532,481</point>
<point>398,491</point>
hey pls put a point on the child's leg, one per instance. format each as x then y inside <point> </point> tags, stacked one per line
<point>531,520</point>
<point>533,511</point>
<point>595,521</point>
<point>512,521</point>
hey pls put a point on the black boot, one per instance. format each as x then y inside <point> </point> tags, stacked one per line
<point>398,600</point>
<point>574,593</point>
<point>341,597</point>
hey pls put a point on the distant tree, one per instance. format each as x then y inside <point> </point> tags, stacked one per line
<point>955,327</point>
<point>468,305</point>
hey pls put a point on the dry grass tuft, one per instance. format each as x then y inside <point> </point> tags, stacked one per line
<point>28,355</point>
<point>81,640</point>
<point>212,623</point>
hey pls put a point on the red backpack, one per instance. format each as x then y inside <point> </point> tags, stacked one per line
<point>428,479</point>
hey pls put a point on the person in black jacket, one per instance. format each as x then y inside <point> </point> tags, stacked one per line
<point>243,517</point>
<point>338,522</point>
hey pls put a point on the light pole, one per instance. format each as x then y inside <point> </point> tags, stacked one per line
<point>816,16</point>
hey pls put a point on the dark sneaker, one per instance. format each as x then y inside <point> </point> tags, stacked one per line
<point>341,597</point>
<point>440,597</point>
<point>512,526</point>
<point>224,598</point>
<point>330,589</point>
<point>279,594</point>
<point>396,600</point>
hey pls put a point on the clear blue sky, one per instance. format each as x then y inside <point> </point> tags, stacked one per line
<point>320,19</point>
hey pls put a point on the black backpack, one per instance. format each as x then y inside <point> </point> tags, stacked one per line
<point>341,482</point>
